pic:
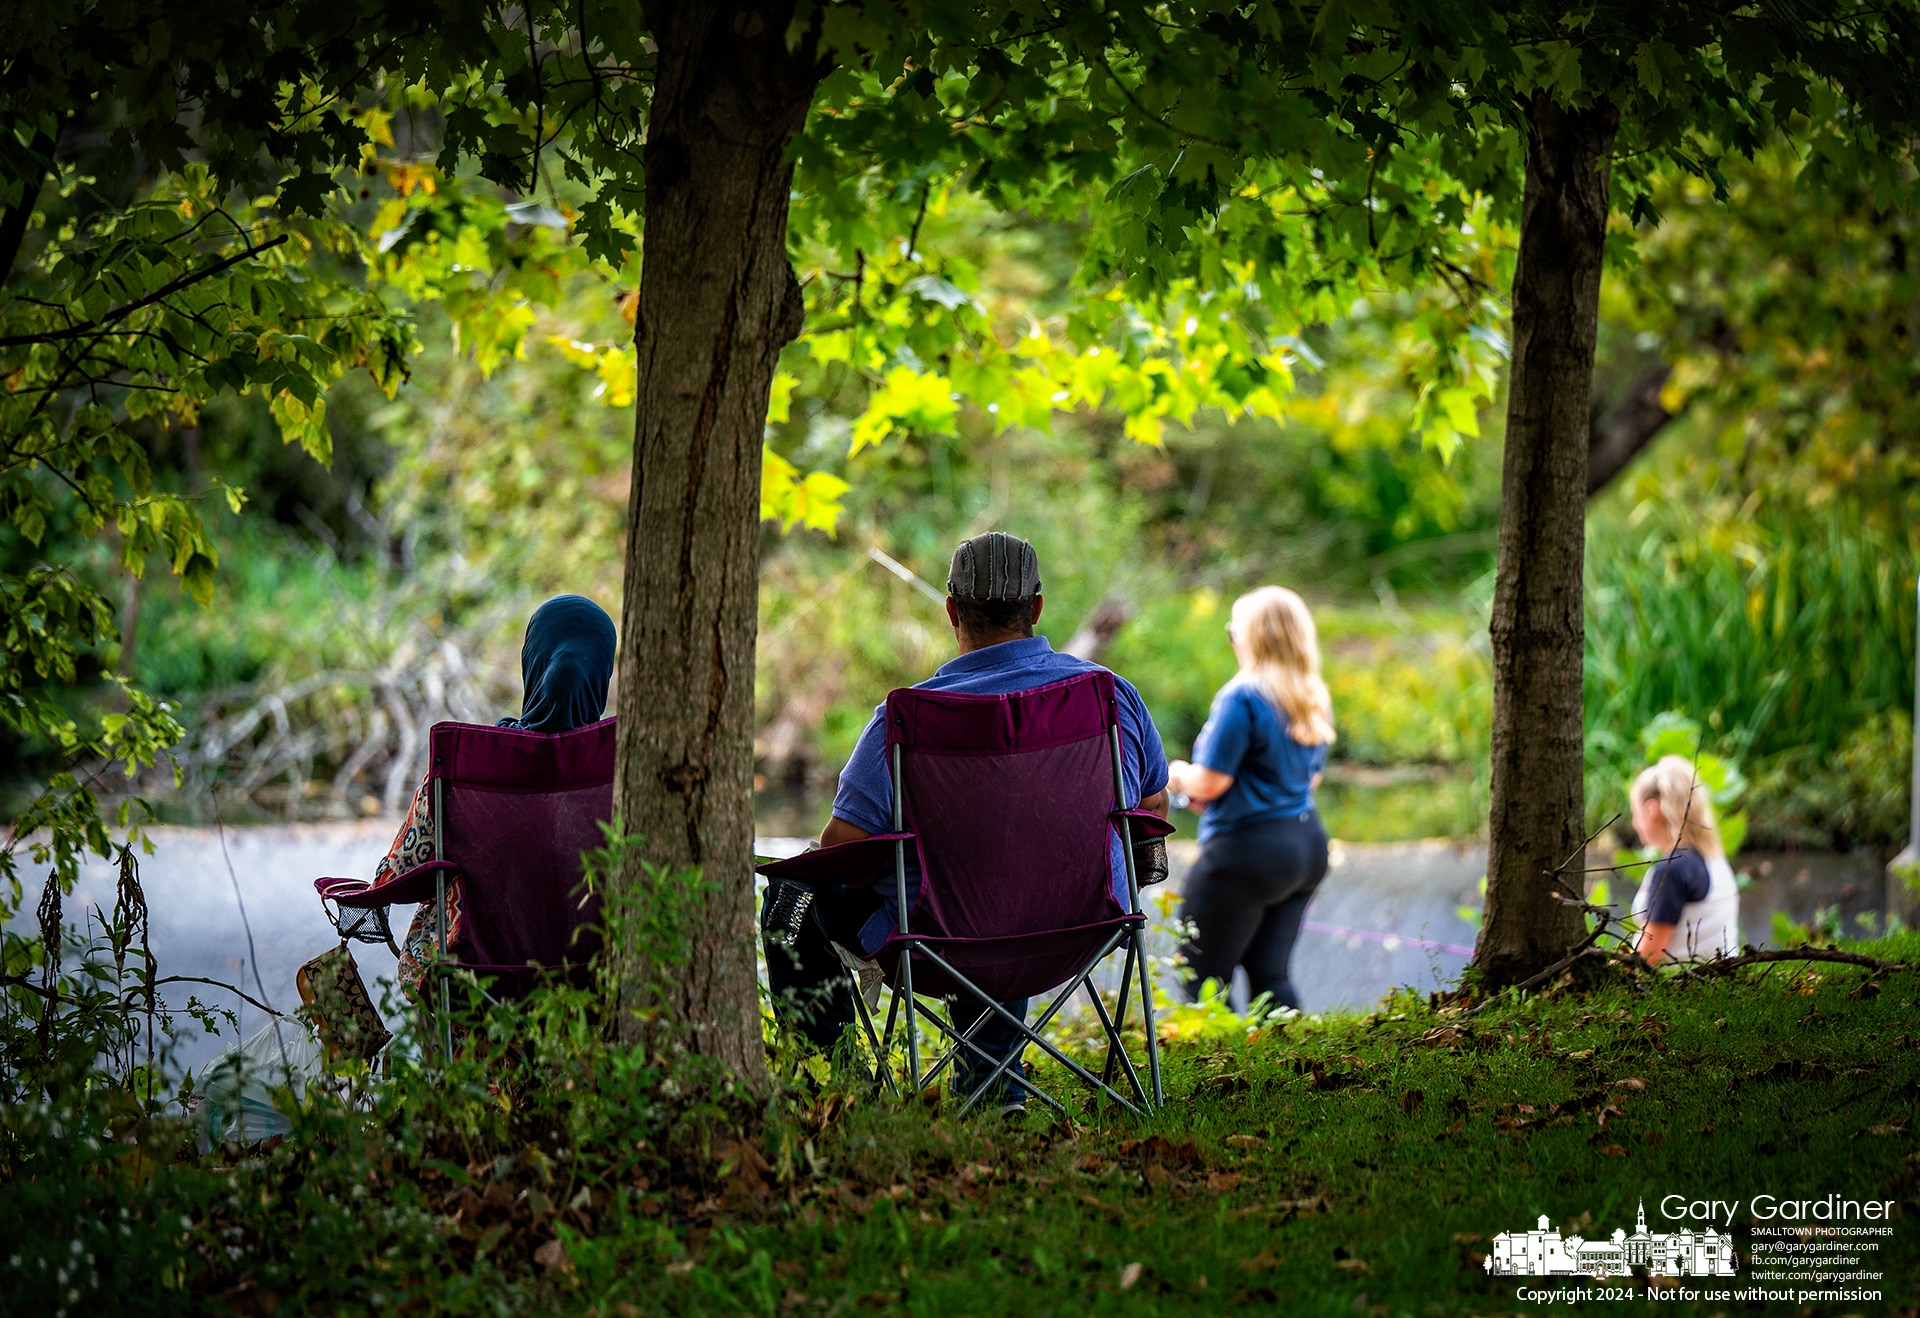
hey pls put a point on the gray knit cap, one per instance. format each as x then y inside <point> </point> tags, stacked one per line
<point>994,566</point>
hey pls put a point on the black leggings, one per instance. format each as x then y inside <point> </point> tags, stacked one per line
<point>1246,896</point>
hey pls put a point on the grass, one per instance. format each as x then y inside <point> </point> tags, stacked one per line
<point>1347,1165</point>
<point>1353,1164</point>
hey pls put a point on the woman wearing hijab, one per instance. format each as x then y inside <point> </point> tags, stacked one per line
<point>565,666</point>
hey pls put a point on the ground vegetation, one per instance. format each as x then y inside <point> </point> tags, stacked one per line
<point>1352,1162</point>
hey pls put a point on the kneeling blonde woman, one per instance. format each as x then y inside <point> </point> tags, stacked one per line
<point>1688,906</point>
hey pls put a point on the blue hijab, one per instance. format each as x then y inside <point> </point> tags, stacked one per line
<point>565,666</point>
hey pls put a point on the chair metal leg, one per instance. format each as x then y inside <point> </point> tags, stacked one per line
<point>900,896</point>
<point>881,1071</point>
<point>1033,1032</point>
<point>1116,1048</point>
<point>1120,1009</point>
<point>962,1040</point>
<point>1146,1012</point>
<point>913,1033</point>
<point>1085,1075</point>
<point>441,994</point>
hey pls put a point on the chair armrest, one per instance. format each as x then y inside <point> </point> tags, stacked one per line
<point>1146,824</point>
<point>415,885</point>
<point>855,864</point>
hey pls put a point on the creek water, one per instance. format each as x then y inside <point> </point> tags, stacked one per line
<point>1387,915</point>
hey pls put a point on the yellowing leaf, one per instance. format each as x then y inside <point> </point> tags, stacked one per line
<point>619,376</point>
<point>1144,427</point>
<point>378,125</point>
<point>404,177</point>
<point>909,399</point>
<point>304,425</point>
<point>1461,411</point>
<point>581,354</point>
<point>786,497</point>
<point>780,398</point>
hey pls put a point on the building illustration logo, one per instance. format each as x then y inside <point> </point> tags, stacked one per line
<point>1544,1252</point>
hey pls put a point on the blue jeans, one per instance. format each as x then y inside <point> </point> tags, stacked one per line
<point>810,992</point>
<point>998,1039</point>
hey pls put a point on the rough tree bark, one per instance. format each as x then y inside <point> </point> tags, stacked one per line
<point>718,300</point>
<point>1537,634</point>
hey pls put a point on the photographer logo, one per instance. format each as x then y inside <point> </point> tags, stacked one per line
<point>1544,1252</point>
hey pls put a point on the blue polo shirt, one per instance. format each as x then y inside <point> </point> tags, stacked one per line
<point>1246,737</point>
<point>865,795</point>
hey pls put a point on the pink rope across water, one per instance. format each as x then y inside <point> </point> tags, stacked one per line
<point>1390,941</point>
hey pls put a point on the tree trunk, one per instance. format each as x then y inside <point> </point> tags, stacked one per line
<point>1536,826</point>
<point>718,300</point>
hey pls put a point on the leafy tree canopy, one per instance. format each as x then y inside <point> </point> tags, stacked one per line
<point>180,189</point>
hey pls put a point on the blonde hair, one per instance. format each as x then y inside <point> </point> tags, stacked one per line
<point>1283,660</point>
<point>1685,803</point>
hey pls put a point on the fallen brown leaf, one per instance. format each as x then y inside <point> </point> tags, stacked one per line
<point>250,1300</point>
<point>1158,1149</point>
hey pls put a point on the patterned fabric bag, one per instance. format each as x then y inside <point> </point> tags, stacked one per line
<point>342,1010</point>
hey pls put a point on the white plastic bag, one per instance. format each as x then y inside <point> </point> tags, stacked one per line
<point>237,1089</point>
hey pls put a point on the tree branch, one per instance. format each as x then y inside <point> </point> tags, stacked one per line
<point>1721,965</point>
<point>121,313</point>
<point>1617,438</point>
<point>13,225</point>
<point>198,979</point>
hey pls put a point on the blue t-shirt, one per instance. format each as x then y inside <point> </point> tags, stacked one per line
<point>865,795</point>
<point>1678,880</point>
<point>1246,736</point>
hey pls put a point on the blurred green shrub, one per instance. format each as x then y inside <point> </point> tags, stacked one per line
<point>1857,797</point>
<point>1788,636</point>
<point>1407,688</point>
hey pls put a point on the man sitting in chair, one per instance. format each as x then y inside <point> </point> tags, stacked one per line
<point>993,600</point>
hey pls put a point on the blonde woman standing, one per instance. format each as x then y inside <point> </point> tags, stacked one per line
<point>1688,906</point>
<point>1255,766</point>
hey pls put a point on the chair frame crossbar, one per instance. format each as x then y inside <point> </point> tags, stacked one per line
<point>1146,1096</point>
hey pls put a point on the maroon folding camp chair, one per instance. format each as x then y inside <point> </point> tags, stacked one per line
<point>513,812</point>
<point>1012,804</point>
